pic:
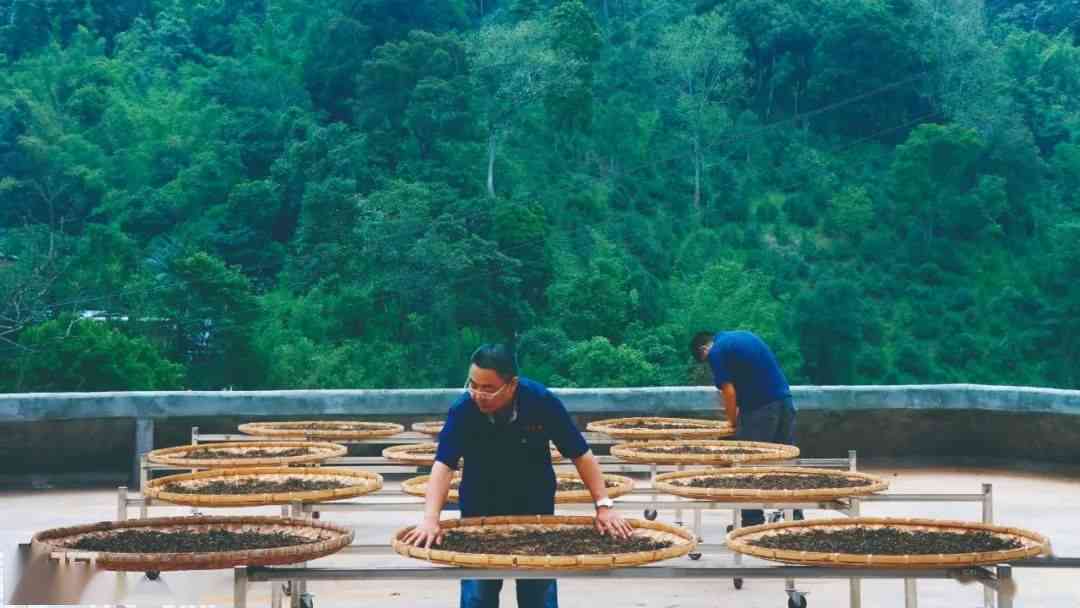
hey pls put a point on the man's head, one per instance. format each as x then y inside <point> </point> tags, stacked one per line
<point>700,345</point>
<point>493,377</point>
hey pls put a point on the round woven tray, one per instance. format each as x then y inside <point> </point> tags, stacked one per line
<point>664,483</point>
<point>417,486</point>
<point>330,538</point>
<point>406,453</point>
<point>358,484</point>
<point>683,542</point>
<point>179,455</point>
<point>631,452</point>
<point>431,427</point>
<point>620,428</point>
<point>1033,544</point>
<point>324,429</point>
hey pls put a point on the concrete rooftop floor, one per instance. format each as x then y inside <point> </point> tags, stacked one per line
<point>1045,500</point>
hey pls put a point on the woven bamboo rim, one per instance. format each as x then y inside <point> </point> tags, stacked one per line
<point>683,542</point>
<point>177,456</point>
<point>664,483</point>
<point>1033,544</point>
<point>431,427</point>
<point>359,483</point>
<point>631,452</point>
<point>417,486</point>
<point>408,453</point>
<point>359,430</point>
<point>695,428</point>
<point>331,538</point>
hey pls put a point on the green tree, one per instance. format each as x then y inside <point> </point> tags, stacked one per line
<point>703,60</point>
<point>212,310</point>
<point>69,354</point>
<point>829,322</point>
<point>598,363</point>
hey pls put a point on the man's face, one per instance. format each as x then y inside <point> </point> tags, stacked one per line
<point>488,390</point>
<point>703,352</point>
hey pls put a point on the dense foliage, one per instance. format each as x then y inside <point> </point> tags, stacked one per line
<point>355,193</point>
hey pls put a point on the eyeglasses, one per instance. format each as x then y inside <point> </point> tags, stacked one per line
<point>475,394</point>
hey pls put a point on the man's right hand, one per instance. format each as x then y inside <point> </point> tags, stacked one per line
<point>424,535</point>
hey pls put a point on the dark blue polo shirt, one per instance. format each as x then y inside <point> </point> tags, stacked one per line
<point>507,462</point>
<point>743,359</point>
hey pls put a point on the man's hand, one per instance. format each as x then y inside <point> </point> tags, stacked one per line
<point>425,534</point>
<point>608,521</point>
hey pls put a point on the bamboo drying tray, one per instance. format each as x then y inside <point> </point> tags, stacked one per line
<point>326,538</point>
<point>417,486</point>
<point>683,542</point>
<point>180,455</point>
<point>764,452</point>
<point>322,429</point>
<point>692,428</point>
<point>665,483</point>
<point>357,483</point>
<point>431,427</point>
<point>1033,544</point>
<point>423,453</point>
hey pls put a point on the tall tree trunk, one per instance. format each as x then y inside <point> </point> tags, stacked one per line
<point>697,173</point>
<point>491,165</point>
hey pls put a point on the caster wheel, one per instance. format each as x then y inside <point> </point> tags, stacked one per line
<point>792,603</point>
<point>694,556</point>
<point>730,527</point>
<point>153,575</point>
<point>737,582</point>
<point>286,588</point>
<point>650,514</point>
<point>307,601</point>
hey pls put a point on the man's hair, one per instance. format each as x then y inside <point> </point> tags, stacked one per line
<point>498,357</point>
<point>700,339</point>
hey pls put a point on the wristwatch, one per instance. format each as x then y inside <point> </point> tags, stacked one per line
<point>605,502</point>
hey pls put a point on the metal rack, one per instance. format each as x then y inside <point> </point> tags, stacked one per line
<point>646,499</point>
<point>992,578</point>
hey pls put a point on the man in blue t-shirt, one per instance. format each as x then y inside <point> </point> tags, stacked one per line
<point>501,427</point>
<point>755,393</point>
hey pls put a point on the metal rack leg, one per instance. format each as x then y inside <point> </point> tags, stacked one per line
<point>240,586</point>
<point>855,593</point>
<point>299,587</point>
<point>853,460</point>
<point>275,594</point>
<point>736,523</point>
<point>988,518</point>
<point>1005,586</point>
<point>678,512</point>
<point>789,583</point>
<point>121,503</point>
<point>911,593</point>
<point>652,485</point>
<point>854,584</point>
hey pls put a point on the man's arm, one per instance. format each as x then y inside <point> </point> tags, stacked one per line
<point>731,410</point>
<point>438,485</point>
<point>448,455</point>
<point>607,520</point>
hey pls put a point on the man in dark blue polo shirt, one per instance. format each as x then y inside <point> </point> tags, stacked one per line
<point>754,391</point>
<point>501,427</point>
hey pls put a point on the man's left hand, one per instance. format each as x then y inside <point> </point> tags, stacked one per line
<point>608,521</point>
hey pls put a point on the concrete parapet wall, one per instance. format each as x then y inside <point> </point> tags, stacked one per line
<point>70,432</point>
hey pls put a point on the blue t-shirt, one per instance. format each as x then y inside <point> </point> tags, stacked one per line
<point>744,360</point>
<point>507,460</point>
